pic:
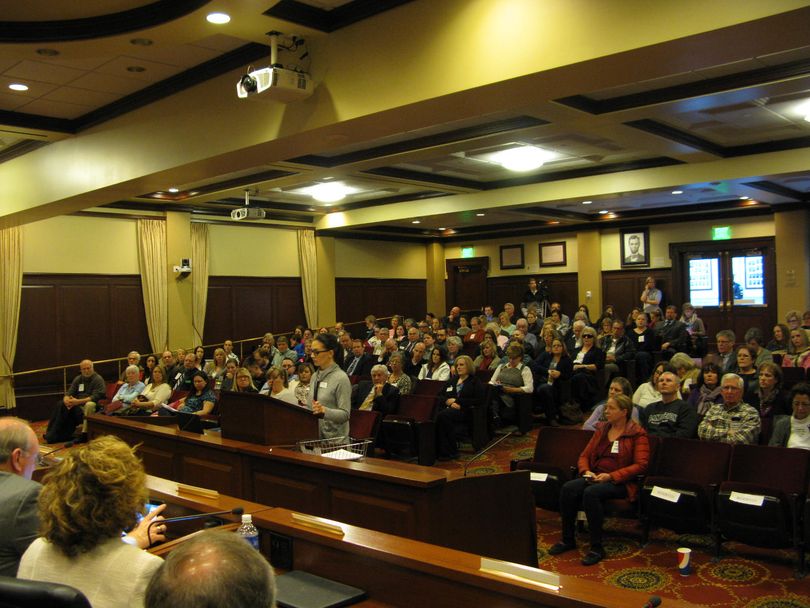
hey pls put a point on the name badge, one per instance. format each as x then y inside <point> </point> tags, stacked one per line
<point>449,389</point>
<point>81,387</point>
<point>323,385</point>
<point>614,449</point>
<point>641,338</point>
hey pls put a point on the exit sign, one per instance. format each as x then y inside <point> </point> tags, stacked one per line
<point>721,233</point>
<point>468,252</point>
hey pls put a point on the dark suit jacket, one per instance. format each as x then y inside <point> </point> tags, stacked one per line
<point>19,522</point>
<point>625,348</point>
<point>387,403</point>
<point>540,367</point>
<point>363,367</point>
<point>675,333</point>
<point>595,356</point>
<point>471,394</point>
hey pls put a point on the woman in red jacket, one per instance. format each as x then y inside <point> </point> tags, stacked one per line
<point>617,453</point>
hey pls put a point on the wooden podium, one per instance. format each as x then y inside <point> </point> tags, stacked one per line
<point>262,419</point>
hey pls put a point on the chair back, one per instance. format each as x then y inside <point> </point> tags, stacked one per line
<point>419,408</point>
<point>791,376</point>
<point>702,462</point>
<point>784,469</point>
<point>561,446</point>
<point>112,389</point>
<point>484,375</point>
<point>19,593</point>
<point>364,424</point>
<point>429,388</point>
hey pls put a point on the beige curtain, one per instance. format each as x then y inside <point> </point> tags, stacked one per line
<point>10,292</point>
<point>199,279</point>
<point>154,276</point>
<point>309,274</point>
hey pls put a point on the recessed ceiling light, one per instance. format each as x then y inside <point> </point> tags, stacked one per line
<point>603,212</point>
<point>677,192</point>
<point>587,202</point>
<point>522,158</point>
<point>416,222</point>
<point>744,198</point>
<point>136,69</point>
<point>480,214</point>
<point>141,42</point>
<point>18,86</point>
<point>218,18</point>
<point>47,52</point>
<point>174,190</point>
<point>328,192</point>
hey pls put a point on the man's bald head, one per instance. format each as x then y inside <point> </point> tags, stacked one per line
<point>19,447</point>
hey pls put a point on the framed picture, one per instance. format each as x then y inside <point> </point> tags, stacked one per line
<point>511,256</point>
<point>635,247</point>
<point>553,254</point>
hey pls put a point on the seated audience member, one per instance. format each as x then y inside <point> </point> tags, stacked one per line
<point>331,396</point>
<point>371,327</point>
<point>733,421</point>
<point>377,342</point>
<point>512,379</point>
<point>452,320</point>
<point>517,338</point>
<point>389,348</point>
<point>377,394</point>
<point>258,358</point>
<point>793,320</point>
<point>618,386</point>
<point>400,335</point>
<point>604,330</point>
<point>619,349</point>
<point>647,392</point>
<point>184,378</point>
<point>283,346</point>
<point>547,333</point>
<point>768,398</point>
<point>608,313</point>
<point>573,341</point>
<point>154,394</point>
<point>19,451</point>
<point>583,308</point>
<point>794,431</point>
<point>694,324</point>
<point>581,315</point>
<point>193,574</point>
<point>441,337</point>
<point>645,343</point>
<point>179,355</point>
<point>462,394</point>
<point>616,455</point>
<point>360,362</point>
<point>706,391</point>
<point>489,313</point>
<point>454,347</point>
<point>150,363</point>
<point>509,309</point>
<point>289,366</point>
<point>278,387</point>
<point>87,500</point>
<point>199,354</point>
<point>215,368</point>
<point>535,326</point>
<point>413,337</point>
<point>345,339</point>
<point>436,368</point>
<point>725,356</point>
<point>398,377</point>
<point>200,399</point>
<point>127,393</point>
<point>303,382</point>
<point>227,346</point>
<point>630,322</point>
<point>656,320</point>
<point>488,359</point>
<point>755,341</point>
<point>798,354</point>
<point>412,364</point>
<point>550,370</point>
<point>587,361</point>
<point>133,358</point>
<point>780,339</point>
<point>529,339</point>
<point>672,334</point>
<point>747,371</point>
<point>476,333</point>
<point>505,325</point>
<point>169,363</point>
<point>672,416</point>
<point>86,390</point>
<point>243,382</point>
<point>687,371</point>
<point>555,320</point>
<point>231,367</point>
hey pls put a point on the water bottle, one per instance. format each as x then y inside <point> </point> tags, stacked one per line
<point>248,531</point>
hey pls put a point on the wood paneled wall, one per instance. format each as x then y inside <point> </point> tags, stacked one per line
<point>563,289</point>
<point>67,318</point>
<point>356,298</point>
<point>623,288</point>
<point>244,307</point>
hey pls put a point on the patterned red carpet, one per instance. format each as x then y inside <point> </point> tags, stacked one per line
<point>746,577</point>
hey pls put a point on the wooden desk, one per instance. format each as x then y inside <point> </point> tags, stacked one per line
<point>398,572</point>
<point>492,515</point>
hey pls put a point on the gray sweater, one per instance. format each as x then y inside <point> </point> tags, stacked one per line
<point>674,419</point>
<point>333,390</point>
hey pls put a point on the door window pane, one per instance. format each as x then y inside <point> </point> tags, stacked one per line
<point>704,282</point>
<point>748,280</point>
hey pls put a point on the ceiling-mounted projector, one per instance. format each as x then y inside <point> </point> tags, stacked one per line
<point>278,83</point>
<point>248,213</point>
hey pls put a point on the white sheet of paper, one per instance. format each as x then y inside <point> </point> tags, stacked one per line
<point>538,476</point>
<point>747,499</point>
<point>665,494</point>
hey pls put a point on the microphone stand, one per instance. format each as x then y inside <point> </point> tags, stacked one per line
<point>169,520</point>
<point>485,450</point>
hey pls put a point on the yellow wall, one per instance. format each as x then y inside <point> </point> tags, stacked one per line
<point>531,254</point>
<point>683,232</point>
<point>252,251</point>
<point>70,244</point>
<point>379,259</point>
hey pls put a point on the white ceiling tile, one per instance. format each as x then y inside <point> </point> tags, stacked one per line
<point>107,83</point>
<point>81,97</point>
<point>154,72</point>
<point>11,102</point>
<point>185,56</point>
<point>220,42</point>
<point>85,64</point>
<point>56,109</point>
<point>35,89</point>
<point>43,72</point>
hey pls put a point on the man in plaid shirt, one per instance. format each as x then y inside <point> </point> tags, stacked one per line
<point>731,421</point>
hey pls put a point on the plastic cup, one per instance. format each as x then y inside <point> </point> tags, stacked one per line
<point>684,558</point>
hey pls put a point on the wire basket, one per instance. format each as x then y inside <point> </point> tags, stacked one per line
<point>339,448</point>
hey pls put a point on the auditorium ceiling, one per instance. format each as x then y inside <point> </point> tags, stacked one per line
<point>712,124</point>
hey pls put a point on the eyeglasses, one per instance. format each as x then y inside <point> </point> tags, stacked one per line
<point>587,336</point>
<point>317,352</point>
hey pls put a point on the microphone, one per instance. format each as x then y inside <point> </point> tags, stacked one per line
<point>67,445</point>
<point>485,450</point>
<point>653,602</point>
<point>168,520</point>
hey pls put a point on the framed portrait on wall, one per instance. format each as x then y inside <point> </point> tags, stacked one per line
<point>553,254</point>
<point>511,256</point>
<point>635,247</point>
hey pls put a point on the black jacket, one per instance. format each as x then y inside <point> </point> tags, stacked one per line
<point>387,403</point>
<point>363,367</point>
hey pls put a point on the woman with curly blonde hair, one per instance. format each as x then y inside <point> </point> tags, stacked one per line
<point>87,502</point>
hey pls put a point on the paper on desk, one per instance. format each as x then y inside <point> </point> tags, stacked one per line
<point>342,454</point>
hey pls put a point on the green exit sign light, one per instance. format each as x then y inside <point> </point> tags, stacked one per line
<point>721,233</point>
<point>468,252</point>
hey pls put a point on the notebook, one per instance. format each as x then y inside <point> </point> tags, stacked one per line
<point>298,589</point>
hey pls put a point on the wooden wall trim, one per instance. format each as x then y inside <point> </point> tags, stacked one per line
<point>357,297</point>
